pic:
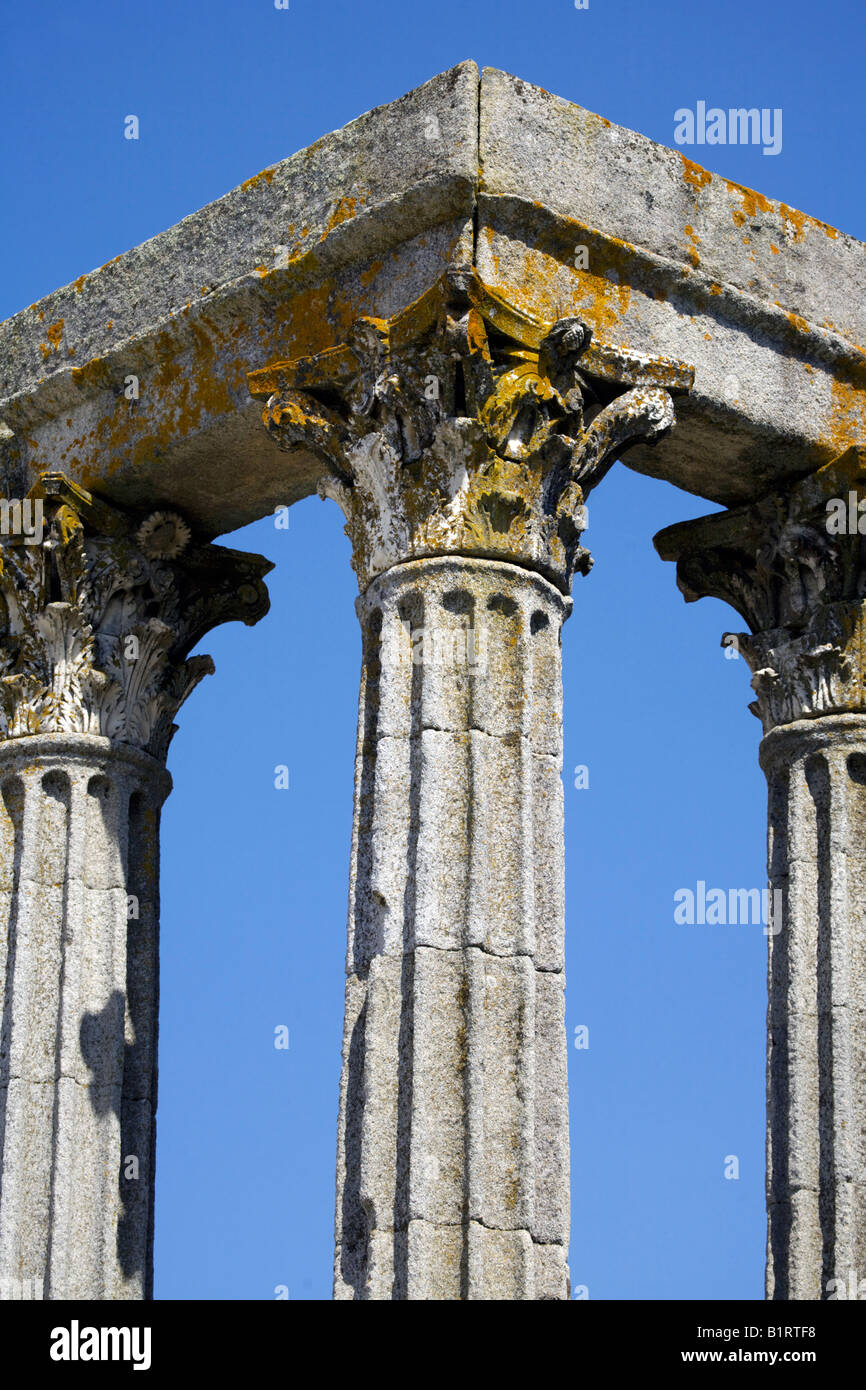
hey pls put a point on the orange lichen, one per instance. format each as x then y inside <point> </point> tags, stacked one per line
<point>343,212</point>
<point>312,321</point>
<point>601,294</point>
<point>802,325</point>
<point>93,375</point>
<point>209,384</point>
<point>847,415</point>
<point>206,388</point>
<point>694,175</point>
<point>78,285</point>
<point>54,334</point>
<point>265,176</point>
<point>796,219</point>
<point>753,202</point>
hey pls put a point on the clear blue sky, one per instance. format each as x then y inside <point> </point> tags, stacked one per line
<point>254,879</point>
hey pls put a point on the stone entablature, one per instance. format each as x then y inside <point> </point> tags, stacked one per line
<point>132,379</point>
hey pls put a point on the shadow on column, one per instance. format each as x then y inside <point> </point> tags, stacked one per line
<point>98,1034</point>
<point>12,810</point>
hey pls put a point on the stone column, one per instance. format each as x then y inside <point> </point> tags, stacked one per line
<point>460,439</point>
<point>794,566</point>
<point>99,615</point>
<point>453,1148</point>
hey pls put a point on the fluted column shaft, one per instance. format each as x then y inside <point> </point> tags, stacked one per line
<point>79,851</point>
<point>97,619</point>
<point>816,1065</point>
<point>453,1155</point>
<point>799,579</point>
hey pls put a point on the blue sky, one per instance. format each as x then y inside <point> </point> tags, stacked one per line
<point>254,879</point>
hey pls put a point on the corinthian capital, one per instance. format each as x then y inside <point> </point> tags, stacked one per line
<point>793,564</point>
<point>100,611</point>
<point>462,426</point>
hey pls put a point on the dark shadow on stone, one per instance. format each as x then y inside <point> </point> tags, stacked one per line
<point>100,1035</point>
<point>405,1044</point>
<point>368,923</point>
<point>354,1250</point>
<point>13,807</point>
<point>779,1099</point>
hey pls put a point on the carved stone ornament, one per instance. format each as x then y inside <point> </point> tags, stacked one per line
<point>462,426</point>
<point>793,564</point>
<point>100,612</point>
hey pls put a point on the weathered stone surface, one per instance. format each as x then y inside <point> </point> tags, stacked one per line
<point>78,1040</point>
<point>360,222</point>
<point>554,154</point>
<point>453,1150</point>
<point>766,302</point>
<point>816,1112</point>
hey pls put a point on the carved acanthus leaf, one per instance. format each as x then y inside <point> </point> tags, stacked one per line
<point>101,613</point>
<point>462,425</point>
<point>799,583</point>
